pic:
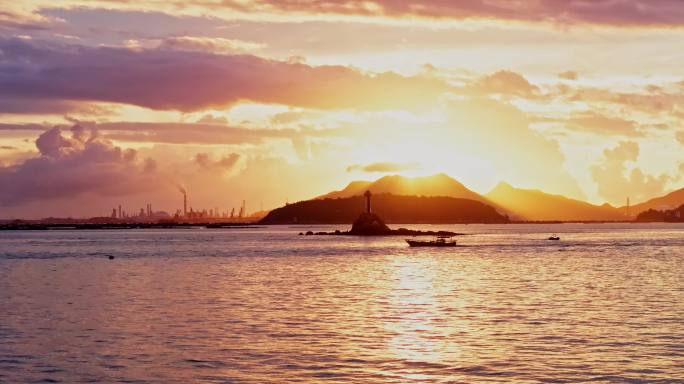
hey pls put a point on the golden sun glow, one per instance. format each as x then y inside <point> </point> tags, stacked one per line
<point>325,94</point>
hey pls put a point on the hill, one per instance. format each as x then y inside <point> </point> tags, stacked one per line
<point>354,188</point>
<point>670,215</point>
<point>670,201</point>
<point>531,204</point>
<point>392,208</point>
<point>436,185</point>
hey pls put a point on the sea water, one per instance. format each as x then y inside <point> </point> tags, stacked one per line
<point>265,305</point>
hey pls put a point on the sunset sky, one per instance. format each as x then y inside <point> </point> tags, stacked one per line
<point>119,102</point>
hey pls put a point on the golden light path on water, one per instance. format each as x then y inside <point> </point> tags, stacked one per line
<point>416,313</point>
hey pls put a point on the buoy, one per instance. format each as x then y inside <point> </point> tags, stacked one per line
<point>111,257</point>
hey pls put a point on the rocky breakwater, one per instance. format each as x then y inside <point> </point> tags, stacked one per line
<point>370,224</point>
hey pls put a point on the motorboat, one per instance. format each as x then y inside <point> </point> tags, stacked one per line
<point>554,237</point>
<point>440,241</point>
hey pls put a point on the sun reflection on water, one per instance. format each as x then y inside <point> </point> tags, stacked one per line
<point>417,319</point>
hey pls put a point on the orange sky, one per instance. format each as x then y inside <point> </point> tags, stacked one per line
<point>108,102</point>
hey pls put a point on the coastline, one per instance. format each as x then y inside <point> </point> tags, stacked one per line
<point>79,225</point>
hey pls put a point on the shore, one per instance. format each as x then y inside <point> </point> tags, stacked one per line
<point>28,226</point>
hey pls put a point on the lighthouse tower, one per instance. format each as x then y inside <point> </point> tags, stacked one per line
<point>368,201</point>
<point>368,223</point>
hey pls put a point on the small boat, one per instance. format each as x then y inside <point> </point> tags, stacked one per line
<point>554,237</point>
<point>440,241</point>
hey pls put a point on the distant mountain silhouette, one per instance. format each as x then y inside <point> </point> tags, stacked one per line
<point>519,204</point>
<point>436,185</point>
<point>392,209</point>
<point>670,201</point>
<point>535,205</point>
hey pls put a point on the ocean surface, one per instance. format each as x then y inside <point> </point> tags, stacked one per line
<point>264,305</point>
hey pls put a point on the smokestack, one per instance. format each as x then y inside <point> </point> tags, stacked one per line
<point>185,199</point>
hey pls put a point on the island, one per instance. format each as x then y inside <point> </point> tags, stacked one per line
<point>400,209</point>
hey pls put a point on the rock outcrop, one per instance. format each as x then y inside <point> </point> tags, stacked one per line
<point>369,224</point>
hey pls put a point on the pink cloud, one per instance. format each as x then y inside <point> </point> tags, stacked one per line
<point>166,79</point>
<point>612,12</point>
<point>72,166</point>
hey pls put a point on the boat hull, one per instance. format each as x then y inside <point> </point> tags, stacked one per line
<point>418,243</point>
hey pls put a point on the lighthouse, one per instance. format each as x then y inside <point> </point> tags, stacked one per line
<point>368,223</point>
<point>368,201</point>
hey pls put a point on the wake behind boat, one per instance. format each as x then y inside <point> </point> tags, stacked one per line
<point>440,241</point>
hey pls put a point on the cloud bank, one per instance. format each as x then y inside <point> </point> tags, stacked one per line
<point>614,181</point>
<point>166,79</point>
<point>605,12</point>
<point>75,165</point>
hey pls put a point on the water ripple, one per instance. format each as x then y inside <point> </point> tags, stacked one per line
<point>268,306</point>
